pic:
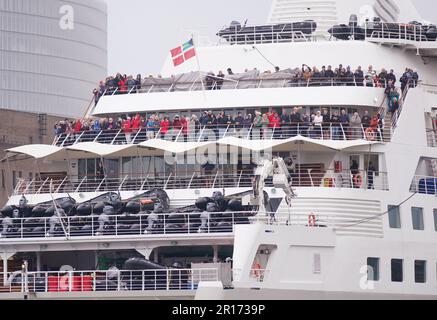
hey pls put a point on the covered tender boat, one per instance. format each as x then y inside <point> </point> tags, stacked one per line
<point>236,33</point>
<point>411,31</point>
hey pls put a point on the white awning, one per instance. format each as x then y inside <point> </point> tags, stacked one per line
<point>175,147</point>
<point>306,144</point>
<point>99,149</point>
<point>36,151</point>
<point>157,147</point>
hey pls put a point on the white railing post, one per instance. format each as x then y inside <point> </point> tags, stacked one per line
<point>116,136</point>
<point>80,184</point>
<point>168,280</point>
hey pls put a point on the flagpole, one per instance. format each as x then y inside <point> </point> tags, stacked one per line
<point>198,66</point>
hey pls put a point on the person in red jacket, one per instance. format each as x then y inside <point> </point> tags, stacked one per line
<point>275,124</point>
<point>177,125</point>
<point>136,123</point>
<point>78,126</point>
<point>164,126</point>
<point>185,123</point>
<point>127,128</point>
<point>122,85</point>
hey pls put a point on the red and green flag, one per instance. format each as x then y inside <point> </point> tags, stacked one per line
<point>183,53</point>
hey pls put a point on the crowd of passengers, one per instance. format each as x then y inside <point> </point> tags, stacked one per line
<point>340,76</point>
<point>285,124</point>
<point>321,124</point>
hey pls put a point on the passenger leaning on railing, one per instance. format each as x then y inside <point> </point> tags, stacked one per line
<point>370,77</point>
<point>127,129</point>
<point>336,129</point>
<point>359,77</point>
<point>366,119</point>
<point>355,123</point>
<point>344,121</point>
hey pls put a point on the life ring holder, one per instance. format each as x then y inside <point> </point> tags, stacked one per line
<point>358,180</point>
<point>312,220</point>
<point>256,270</point>
<point>370,134</point>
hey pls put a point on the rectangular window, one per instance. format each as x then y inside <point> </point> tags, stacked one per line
<point>417,216</point>
<point>373,269</point>
<point>397,272</point>
<point>317,264</point>
<point>420,271</point>
<point>435,219</point>
<point>394,217</point>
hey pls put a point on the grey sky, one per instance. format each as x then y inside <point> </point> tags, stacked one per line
<point>141,32</point>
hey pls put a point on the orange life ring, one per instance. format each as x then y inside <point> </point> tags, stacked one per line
<point>257,270</point>
<point>370,134</point>
<point>312,221</point>
<point>358,180</point>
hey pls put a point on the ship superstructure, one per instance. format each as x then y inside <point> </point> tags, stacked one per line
<point>355,216</point>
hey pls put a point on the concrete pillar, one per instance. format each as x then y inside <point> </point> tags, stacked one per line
<point>5,268</point>
<point>96,259</point>
<point>215,248</point>
<point>38,262</point>
<point>156,255</point>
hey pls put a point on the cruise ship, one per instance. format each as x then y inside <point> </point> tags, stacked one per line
<point>309,209</point>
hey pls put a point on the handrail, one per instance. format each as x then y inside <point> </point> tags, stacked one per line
<point>258,82</point>
<point>217,132</point>
<point>424,185</point>
<point>160,225</point>
<point>329,178</point>
<point>95,281</point>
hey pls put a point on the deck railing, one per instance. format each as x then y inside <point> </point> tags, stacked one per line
<point>139,225</point>
<point>167,226</point>
<point>313,178</point>
<point>424,185</point>
<point>369,30</point>
<point>258,82</point>
<point>326,131</point>
<point>107,281</point>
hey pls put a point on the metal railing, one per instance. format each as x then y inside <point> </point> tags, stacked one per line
<point>139,225</point>
<point>307,177</point>
<point>397,31</point>
<point>189,225</point>
<point>260,82</point>
<point>325,131</point>
<point>106,281</point>
<point>424,185</point>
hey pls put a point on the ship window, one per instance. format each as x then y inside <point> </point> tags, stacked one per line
<point>373,269</point>
<point>420,271</point>
<point>82,168</point>
<point>417,216</point>
<point>435,219</point>
<point>394,217</point>
<point>317,264</point>
<point>397,272</point>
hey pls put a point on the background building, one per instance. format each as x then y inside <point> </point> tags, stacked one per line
<point>52,55</point>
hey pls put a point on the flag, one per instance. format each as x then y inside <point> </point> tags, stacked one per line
<point>183,53</point>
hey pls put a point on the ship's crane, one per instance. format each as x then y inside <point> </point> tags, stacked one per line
<point>278,170</point>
